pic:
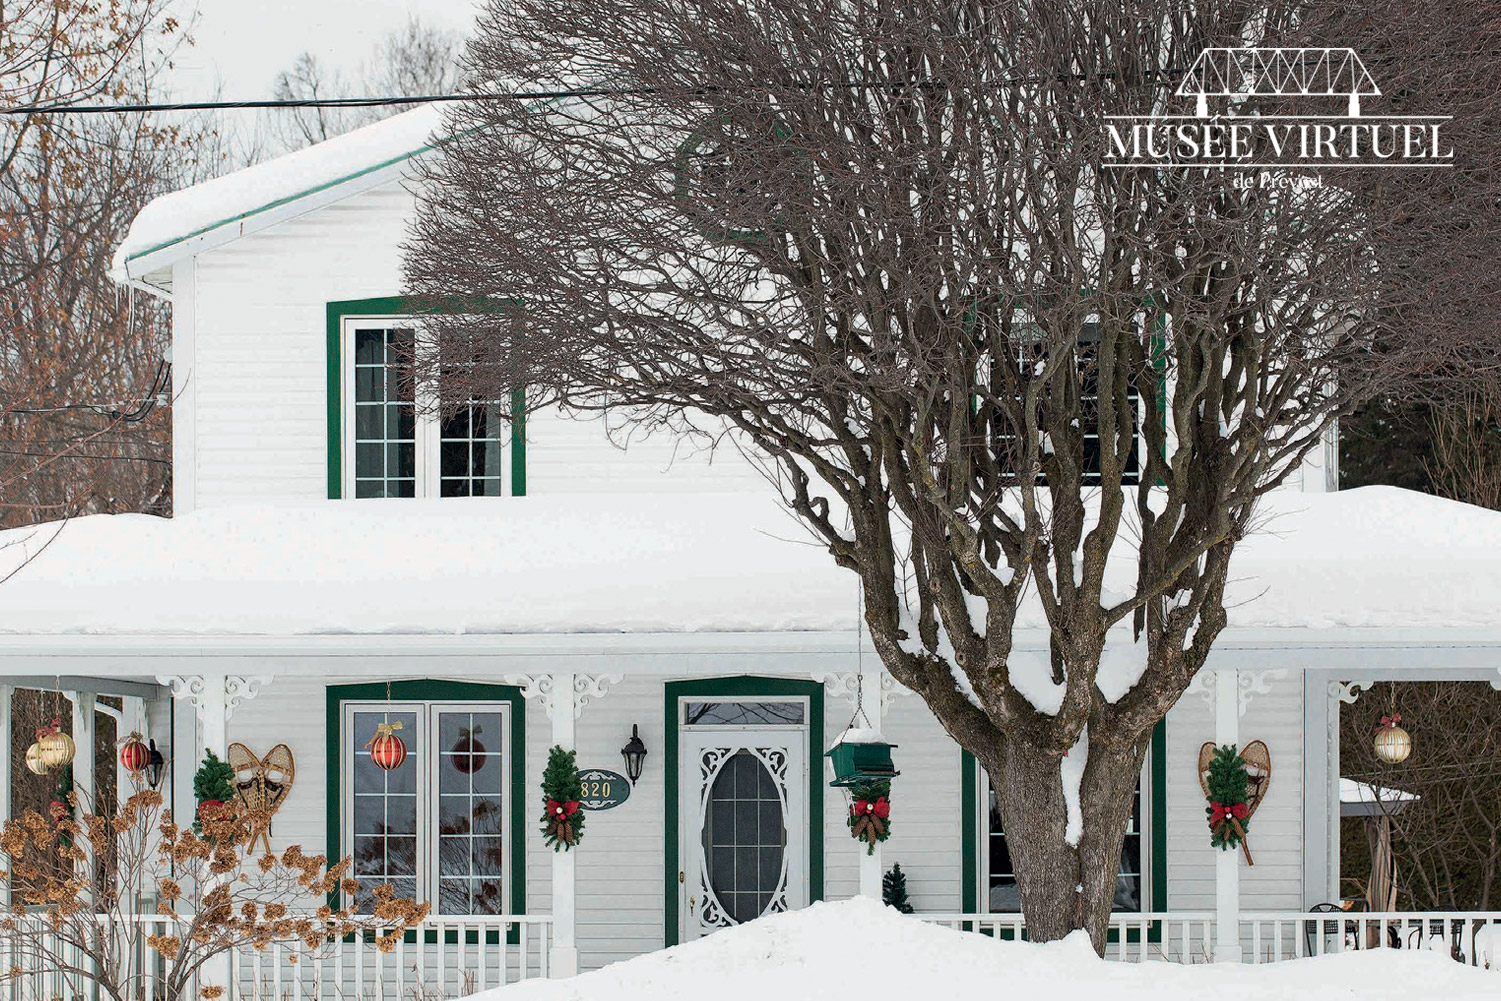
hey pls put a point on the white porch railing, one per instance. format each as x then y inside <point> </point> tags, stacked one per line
<point>1472,937</point>
<point>1177,936</point>
<point>444,957</point>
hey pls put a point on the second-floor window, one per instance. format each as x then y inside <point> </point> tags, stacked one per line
<point>392,447</point>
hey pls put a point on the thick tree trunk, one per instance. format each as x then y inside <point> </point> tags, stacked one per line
<point>1065,887</point>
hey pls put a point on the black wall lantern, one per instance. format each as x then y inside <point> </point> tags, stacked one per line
<point>634,753</point>
<point>156,766</point>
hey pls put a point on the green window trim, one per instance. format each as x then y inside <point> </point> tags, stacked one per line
<point>399,305</point>
<point>741,686</point>
<point>432,691</point>
<point>969,806</point>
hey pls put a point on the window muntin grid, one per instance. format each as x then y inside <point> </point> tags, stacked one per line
<point>392,448</point>
<point>471,812</point>
<point>1000,893</point>
<point>385,421</point>
<point>436,832</point>
<point>385,848</point>
<point>744,837</point>
<point>470,451</point>
<point>1031,342</point>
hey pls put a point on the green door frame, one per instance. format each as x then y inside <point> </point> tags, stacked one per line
<point>742,686</point>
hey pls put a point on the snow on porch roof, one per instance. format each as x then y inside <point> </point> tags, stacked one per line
<point>165,227</point>
<point>1374,558</point>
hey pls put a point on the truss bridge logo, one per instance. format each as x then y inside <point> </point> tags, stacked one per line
<point>1277,109</point>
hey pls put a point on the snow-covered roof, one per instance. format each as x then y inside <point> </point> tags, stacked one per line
<point>1376,559</point>
<point>1362,799</point>
<point>168,226</point>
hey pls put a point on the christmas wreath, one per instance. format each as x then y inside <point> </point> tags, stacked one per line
<point>562,816</point>
<point>1229,811</point>
<point>870,814</point>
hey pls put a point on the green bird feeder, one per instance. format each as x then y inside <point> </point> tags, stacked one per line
<point>860,763</point>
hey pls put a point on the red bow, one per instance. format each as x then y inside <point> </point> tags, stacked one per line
<point>880,807</point>
<point>1387,722</point>
<point>568,809</point>
<point>55,726</point>
<point>1219,812</point>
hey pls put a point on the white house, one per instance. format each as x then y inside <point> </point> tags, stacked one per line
<point>543,586</point>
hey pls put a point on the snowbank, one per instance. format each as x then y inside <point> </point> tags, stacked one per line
<point>229,198</point>
<point>859,949</point>
<point>1377,558</point>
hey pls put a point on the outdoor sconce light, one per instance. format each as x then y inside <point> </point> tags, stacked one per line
<point>634,753</point>
<point>156,766</point>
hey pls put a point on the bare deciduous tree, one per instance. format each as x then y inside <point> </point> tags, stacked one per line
<point>1447,843</point>
<point>76,879</point>
<point>1006,387</point>
<point>79,362</point>
<point>414,61</point>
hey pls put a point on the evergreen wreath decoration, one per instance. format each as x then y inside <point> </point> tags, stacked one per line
<point>870,814</point>
<point>63,802</point>
<point>213,786</point>
<point>1229,812</point>
<point>562,816</point>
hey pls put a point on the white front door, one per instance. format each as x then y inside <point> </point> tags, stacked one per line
<point>744,825</point>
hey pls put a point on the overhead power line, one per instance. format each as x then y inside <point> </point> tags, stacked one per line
<point>526,95</point>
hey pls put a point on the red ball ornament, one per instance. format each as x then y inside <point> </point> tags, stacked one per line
<point>134,754</point>
<point>387,750</point>
<point>469,753</point>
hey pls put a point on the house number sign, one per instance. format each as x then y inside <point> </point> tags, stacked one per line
<point>603,790</point>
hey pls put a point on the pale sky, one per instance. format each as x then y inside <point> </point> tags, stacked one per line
<point>243,44</point>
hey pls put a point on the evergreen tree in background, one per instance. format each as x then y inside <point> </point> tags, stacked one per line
<point>894,890</point>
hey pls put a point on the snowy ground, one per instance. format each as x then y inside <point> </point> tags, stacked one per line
<point>857,950</point>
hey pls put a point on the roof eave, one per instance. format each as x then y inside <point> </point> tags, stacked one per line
<point>151,270</point>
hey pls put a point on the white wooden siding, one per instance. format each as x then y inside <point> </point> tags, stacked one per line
<point>256,310</point>
<point>1275,882</point>
<point>925,830</point>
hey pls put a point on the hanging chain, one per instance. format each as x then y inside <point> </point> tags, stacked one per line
<point>859,712</point>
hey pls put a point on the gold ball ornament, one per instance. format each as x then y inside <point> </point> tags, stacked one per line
<point>34,760</point>
<point>1393,744</point>
<point>57,748</point>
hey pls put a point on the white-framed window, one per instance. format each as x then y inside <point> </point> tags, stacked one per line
<point>999,893</point>
<point>395,448</point>
<point>1031,342</point>
<point>436,828</point>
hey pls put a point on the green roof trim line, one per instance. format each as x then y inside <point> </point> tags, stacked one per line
<point>743,686</point>
<point>969,821</point>
<point>338,311</point>
<point>284,200</point>
<point>431,691</point>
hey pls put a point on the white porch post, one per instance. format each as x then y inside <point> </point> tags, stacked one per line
<point>870,862</point>
<point>83,741</point>
<point>1227,865</point>
<point>213,699</point>
<point>564,961</point>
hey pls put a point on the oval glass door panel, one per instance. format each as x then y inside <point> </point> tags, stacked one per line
<point>744,838</point>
